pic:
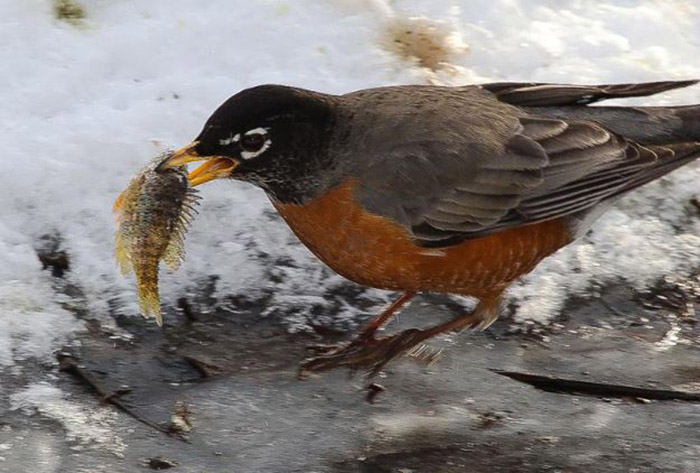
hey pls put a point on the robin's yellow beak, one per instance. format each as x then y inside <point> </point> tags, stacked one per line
<point>214,167</point>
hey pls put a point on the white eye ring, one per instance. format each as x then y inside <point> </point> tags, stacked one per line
<point>257,131</point>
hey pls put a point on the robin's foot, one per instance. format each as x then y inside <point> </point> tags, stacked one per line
<point>371,354</point>
<point>366,353</point>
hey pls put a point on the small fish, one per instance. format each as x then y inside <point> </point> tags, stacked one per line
<point>153,214</point>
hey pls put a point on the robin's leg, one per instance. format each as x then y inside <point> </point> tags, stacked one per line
<point>378,322</point>
<point>372,354</point>
<point>367,332</point>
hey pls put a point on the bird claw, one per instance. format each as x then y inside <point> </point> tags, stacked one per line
<point>321,349</point>
<point>370,354</point>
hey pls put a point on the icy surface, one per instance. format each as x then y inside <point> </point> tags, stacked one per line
<point>84,106</point>
<point>85,427</point>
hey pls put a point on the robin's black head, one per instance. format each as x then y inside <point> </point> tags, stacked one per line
<point>273,136</point>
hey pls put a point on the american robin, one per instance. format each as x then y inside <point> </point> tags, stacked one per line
<point>458,190</point>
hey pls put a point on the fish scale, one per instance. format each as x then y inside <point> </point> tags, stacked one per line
<point>153,214</point>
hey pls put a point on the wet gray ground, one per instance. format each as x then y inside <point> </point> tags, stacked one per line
<point>457,415</point>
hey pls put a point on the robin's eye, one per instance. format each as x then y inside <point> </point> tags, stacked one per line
<point>253,141</point>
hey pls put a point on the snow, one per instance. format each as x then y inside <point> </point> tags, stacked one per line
<point>84,106</point>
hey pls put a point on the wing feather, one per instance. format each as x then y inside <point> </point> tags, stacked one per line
<point>467,180</point>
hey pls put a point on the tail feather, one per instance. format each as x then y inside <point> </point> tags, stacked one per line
<point>689,117</point>
<point>534,94</point>
<point>643,125</point>
<point>677,155</point>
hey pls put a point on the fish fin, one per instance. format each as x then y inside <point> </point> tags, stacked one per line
<point>122,206</point>
<point>175,252</point>
<point>119,203</point>
<point>129,193</point>
<point>123,255</point>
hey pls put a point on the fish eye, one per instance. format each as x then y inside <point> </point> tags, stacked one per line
<point>253,141</point>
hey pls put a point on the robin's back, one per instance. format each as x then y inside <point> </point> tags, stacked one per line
<point>452,164</point>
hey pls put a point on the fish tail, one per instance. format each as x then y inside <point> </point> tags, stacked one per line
<point>149,299</point>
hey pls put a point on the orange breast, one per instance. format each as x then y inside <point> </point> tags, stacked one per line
<point>375,251</point>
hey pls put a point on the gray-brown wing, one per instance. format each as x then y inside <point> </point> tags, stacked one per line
<point>547,169</point>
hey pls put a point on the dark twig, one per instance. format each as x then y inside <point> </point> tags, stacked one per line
<point>571,386</point>
<point>69,364</point>
<point>206,370</point>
